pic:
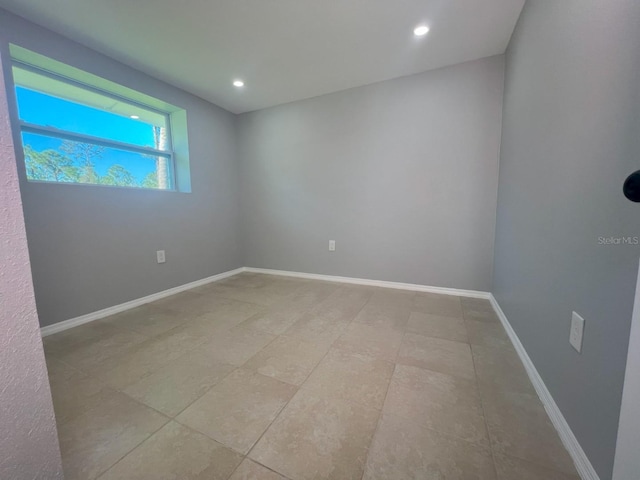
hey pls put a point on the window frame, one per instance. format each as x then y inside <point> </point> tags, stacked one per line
<point>26,127</point>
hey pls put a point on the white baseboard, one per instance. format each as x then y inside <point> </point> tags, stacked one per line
<point>582,463</point>
<point>373,283</point>
<point>90,317</point>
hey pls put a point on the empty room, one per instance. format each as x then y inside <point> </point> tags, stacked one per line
<point>305,240</point>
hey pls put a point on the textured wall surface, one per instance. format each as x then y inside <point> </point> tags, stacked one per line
<point>402,174</point>
<point>28,439</point>
<point>571,135</point>
<point>95,247</point>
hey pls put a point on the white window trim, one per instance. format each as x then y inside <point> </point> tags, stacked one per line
<point>101,141</point>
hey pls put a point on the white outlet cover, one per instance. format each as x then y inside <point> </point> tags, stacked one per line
<point>161,256</point>
<point>577,331</point>
<point>332,245</point>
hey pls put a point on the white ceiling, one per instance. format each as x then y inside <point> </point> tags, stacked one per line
<point>284,50</point>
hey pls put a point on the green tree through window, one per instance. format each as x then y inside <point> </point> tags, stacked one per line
<point>75,162</point>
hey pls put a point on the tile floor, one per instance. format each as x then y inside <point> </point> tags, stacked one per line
<point>265,377</point>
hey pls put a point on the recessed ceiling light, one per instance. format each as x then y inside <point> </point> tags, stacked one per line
<point>238,83</point>
<point>135,117</point>
<point>421,30</point>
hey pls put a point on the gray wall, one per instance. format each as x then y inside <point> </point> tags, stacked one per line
<point>571,134</point>
<point>94,247</point>
<point>28,442</point>
<point>402,174</point>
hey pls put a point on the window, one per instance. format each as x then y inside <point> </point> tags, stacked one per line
<point>73,131</point>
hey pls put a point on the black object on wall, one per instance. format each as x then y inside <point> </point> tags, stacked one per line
<point>631,187</point>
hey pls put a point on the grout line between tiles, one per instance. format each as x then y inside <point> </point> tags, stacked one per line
<point>474,380</point>
<point>381,413</point>
<point>245,455</point>
<point>180,357</point>
<point>217,383</point>
<point>246,458</point>
<point>285,405</point>
<point>137,445</point>
<point>484,415</point>
<point>268,468</point>
<point>200,396</point>
<point>299,388</point>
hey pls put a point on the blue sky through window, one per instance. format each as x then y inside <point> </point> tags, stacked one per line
<point>46,110</point>
<point>50,111</point>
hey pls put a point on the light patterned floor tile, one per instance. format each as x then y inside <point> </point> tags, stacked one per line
<point>402,449</point>
<point>147,320</point>
<point>174,387</point>
<point>519,427</point>
<point>351,377</point>
<point>318,438</point>
<point>488,334</point>
<point>437,304</point>
<point>239,409</point>
<point>176,452</point>
<point>510,468</point>
<point>288,359</point>
<point>296,372</point>
<point>441,402</point>
<point>147,357</point>
<point>445,356</point>
<point>237,345</point>
<point>377,313</point>
<point>382,343</point>
<point>93,442</point>
<point>439,326</point>
<point>250,470</point>
<point>501,368</point>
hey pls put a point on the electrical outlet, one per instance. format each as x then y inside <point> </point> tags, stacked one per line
<point>577,331</point>
<point>332,245</point>
<point>160,256</point>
